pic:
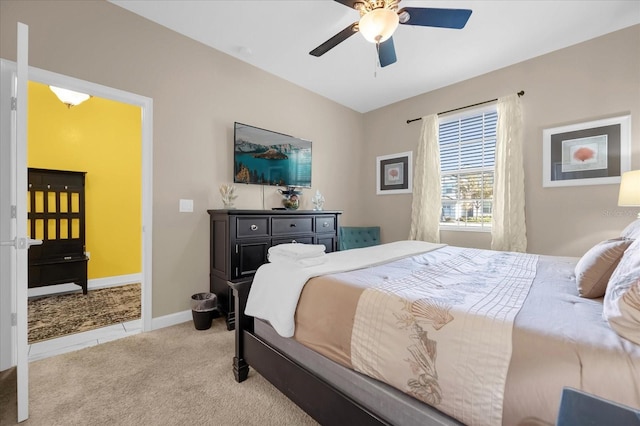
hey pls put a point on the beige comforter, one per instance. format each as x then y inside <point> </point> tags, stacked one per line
<point>439,327</point>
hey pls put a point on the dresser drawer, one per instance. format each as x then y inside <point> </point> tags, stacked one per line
<point>301,240</point>
<point>325,224</point>
<point>291,225</point>
<point>249,227</point>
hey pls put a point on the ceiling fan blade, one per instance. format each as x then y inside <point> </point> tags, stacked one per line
<point>387,52</point>
<point>348,3</point>
<point>335,40</point>
<point>431,17</point>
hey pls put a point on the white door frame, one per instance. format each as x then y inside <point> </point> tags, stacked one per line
<point>7,352</point>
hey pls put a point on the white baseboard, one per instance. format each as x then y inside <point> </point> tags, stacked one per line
<point>171,319</point>
<point>92,284</point>
<point>114,281</point>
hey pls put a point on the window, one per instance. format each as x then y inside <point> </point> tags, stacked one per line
<point>467,159</point>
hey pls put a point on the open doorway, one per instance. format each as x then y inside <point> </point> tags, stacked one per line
<point>8,356</point>
<point>85,165</point>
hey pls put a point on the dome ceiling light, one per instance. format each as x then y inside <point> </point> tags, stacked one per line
<point>69,97</point>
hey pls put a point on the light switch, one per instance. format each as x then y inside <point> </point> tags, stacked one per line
<point>186,206</point>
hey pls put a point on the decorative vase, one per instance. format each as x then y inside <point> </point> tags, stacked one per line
<point>318,201</point>
<point>290,198</point>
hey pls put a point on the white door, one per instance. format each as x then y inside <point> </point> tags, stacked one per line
<point>21,242</point>
<point>14,224</point>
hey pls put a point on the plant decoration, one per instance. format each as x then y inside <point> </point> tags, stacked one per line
<point>228,195</point>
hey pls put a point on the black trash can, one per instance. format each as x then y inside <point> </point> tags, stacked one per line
<point>203,307</point>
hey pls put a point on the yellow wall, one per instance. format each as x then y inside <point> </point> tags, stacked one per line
<point>102,138</point>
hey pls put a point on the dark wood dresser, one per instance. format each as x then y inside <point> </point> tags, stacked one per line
<point>240,240</point>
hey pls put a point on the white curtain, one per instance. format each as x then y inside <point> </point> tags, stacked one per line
<point>508,230</point>
<point>427,204</point>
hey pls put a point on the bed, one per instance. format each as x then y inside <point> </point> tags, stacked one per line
<point>416,333</point>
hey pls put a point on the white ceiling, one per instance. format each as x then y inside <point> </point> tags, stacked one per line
<point>277,36</point>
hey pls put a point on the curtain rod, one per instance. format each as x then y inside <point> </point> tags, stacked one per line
<point>520,93</point>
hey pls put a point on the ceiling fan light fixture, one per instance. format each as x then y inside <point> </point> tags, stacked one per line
<point>69,97</point>
<point>378,25</point>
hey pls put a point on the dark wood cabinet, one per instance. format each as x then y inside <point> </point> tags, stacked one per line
<point>56,215</point>
<point>240,241</point>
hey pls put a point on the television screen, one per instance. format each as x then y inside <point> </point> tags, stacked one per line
<point>269,158</point>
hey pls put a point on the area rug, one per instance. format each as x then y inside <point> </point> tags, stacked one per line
<point>60,315</point>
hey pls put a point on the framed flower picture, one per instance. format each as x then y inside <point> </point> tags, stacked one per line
<point>590,153</point>
<point>393,173</point>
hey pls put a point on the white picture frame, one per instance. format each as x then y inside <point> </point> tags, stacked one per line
<point>589,153</point>
<point>394,173</point>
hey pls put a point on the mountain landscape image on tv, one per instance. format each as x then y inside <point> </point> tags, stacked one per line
<point>269,158</point>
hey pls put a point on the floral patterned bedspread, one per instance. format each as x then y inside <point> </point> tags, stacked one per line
<point>436,327</point>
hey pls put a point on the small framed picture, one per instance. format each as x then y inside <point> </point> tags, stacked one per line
<point>590,153</point>
<point>393,173</point>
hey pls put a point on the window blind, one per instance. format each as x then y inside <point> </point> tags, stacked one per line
<point>467,160</point>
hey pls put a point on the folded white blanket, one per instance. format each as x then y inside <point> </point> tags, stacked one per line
<point>298,250</point>
<point>276,287</point>
<point>304,262</point>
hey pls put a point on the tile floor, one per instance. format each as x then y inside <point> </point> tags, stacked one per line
<point>73,342</point>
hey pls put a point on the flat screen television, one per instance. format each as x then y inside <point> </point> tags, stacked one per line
<point>269,158</point>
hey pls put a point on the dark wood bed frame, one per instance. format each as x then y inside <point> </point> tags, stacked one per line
<point>326,404</point>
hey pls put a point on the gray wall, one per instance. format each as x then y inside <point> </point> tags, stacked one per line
<point>198,93</point>
<point>596,79</point>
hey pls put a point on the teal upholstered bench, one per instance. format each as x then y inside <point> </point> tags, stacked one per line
<point>359,236</point>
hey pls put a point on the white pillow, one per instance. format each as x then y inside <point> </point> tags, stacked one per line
<point>594,269</point>
<point>622,300</point>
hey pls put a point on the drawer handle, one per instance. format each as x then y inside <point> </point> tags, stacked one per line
<point>292,225</point>
<point>325,225</point>
<point>254,227</point>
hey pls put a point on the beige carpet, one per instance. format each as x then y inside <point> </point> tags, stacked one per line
<point>60,315</point>
<point>172,376</point>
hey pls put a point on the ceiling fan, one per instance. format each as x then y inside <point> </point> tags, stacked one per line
<point>380,18</point>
